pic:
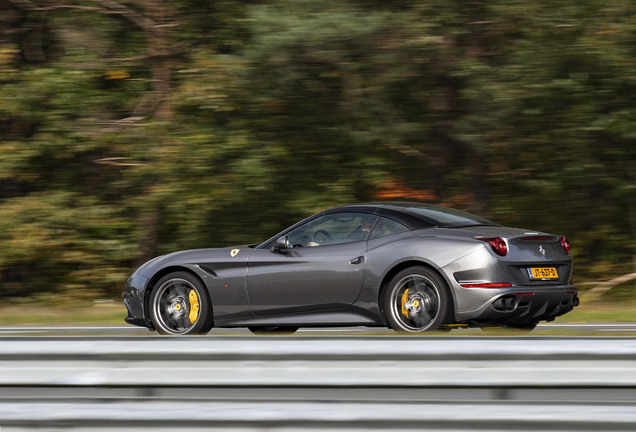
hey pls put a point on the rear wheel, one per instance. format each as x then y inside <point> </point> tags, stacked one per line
<point>417,300</point>
<point>180,305</point>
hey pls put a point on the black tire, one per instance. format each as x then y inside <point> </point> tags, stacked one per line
<point>273,330</point>
<point>417,300</point>
<point>173,305</point>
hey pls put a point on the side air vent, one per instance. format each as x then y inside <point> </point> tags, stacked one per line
<point>207,269</point>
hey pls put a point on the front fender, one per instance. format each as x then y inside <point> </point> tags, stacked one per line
<point>222,271</point>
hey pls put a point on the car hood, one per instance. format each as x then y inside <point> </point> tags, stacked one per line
<point>192,256</point>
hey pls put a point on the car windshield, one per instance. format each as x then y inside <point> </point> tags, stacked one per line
<point>445,216</point>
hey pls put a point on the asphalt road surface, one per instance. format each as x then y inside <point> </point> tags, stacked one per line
<point>600,329</point>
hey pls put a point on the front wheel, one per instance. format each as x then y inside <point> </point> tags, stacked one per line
<point>417,300</point>
<point>180,305</point>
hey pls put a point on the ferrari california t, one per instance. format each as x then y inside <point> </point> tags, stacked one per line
<point>408,266</point>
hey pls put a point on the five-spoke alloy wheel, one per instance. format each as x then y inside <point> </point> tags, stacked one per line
<point>180,305</point>
<point>417,299</point>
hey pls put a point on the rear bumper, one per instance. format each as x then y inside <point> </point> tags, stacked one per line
<point>521,305</point>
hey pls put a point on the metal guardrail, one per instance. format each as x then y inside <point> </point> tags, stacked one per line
<point>305,416</point>
<point>424,383</point>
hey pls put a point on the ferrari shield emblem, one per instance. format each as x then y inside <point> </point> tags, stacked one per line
<point>234,252</point>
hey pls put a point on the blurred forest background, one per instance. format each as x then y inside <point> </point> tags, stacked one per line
<point>130,129</point>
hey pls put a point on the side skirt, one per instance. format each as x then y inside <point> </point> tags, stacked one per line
<point>318,319</point>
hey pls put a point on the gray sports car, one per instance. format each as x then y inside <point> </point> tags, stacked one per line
<point>412,267</point>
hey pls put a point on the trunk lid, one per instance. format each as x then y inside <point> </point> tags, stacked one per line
<point>533,258</point>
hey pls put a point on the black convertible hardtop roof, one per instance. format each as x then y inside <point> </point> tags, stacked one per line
<point>417,215</point>
<point>412,215</point>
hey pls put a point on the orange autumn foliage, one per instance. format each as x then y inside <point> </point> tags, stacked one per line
<point>396,190</point>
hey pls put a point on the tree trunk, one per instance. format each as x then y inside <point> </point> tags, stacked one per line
<point>149,236</point>
<point>158,42</point>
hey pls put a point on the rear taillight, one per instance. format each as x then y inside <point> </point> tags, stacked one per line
<point>566,244</point>
<point>486,285</point>
<point>497,244</point>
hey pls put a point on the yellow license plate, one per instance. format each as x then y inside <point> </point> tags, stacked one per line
<point>543,273</point>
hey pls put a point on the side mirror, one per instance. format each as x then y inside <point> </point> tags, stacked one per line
<point>281,243</point>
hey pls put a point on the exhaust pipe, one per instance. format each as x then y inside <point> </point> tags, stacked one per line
<point>510,303</point>
<point>575,301</point>
<point>505,304</point>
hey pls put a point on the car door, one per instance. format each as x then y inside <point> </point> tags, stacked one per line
<point>324,269</point>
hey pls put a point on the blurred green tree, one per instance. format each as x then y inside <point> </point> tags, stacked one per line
<point>134,128</point>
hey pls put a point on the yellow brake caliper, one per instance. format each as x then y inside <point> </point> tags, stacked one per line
<point>405,299</point>
<point>194,306</point>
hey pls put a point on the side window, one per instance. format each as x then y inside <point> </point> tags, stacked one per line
<point>332,229</point>
<point>386,227</point>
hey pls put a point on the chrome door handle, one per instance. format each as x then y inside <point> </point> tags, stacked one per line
<point>357,260</point>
